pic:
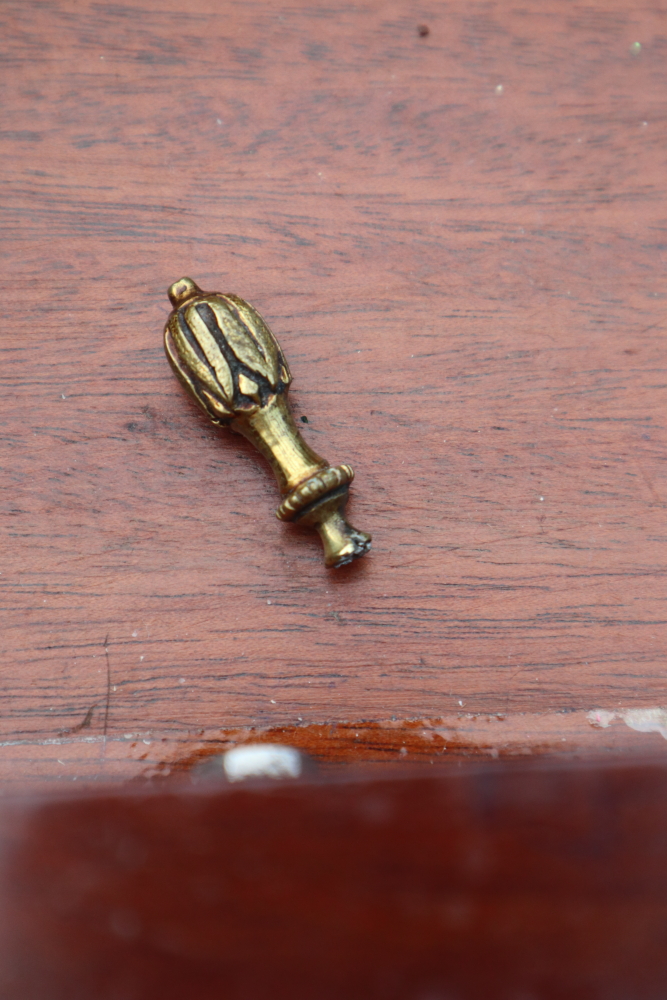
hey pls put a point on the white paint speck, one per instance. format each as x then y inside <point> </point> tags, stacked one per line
<point>181,680</point>
<point>646,720</point>
<point>541,498</point>
<point>262,760</point>
<point>461,703</point>
<point>268,602</point>
<point>147,742</point>
<point>134,635</point>
<point>642,720</point>
<point>273,701</point>
<point>600,718</point>
<point>499,89</point>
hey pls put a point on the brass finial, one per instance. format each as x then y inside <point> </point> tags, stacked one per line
<point>226,357</point>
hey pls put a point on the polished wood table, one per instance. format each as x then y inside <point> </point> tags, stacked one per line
<point>453,217</point>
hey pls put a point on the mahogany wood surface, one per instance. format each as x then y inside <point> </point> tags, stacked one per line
<point>459,238</point>
<point>489,882</point>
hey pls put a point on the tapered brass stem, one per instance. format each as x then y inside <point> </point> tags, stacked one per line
<point>273,432</point>
<point>228,360</point>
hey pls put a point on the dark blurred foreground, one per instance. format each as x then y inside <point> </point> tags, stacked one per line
<point>515,882</point>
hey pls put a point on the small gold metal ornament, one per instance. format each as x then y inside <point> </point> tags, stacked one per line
<point>226,357</point>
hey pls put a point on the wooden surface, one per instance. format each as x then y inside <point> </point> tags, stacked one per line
<point>459,239</point>
<point>488,883</point>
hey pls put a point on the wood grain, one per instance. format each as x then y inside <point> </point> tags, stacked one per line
<point>459,240</point>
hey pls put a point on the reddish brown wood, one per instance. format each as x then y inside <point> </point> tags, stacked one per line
<point>485,883</point>
<point>459,239</point>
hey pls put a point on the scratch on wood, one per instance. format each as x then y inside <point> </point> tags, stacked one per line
<point>108,697</point>
<point>82,725</point>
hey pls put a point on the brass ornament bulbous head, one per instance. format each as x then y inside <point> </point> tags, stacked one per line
<point>223,352</point>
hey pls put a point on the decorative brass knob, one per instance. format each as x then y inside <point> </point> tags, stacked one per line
<point>226,357</point>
